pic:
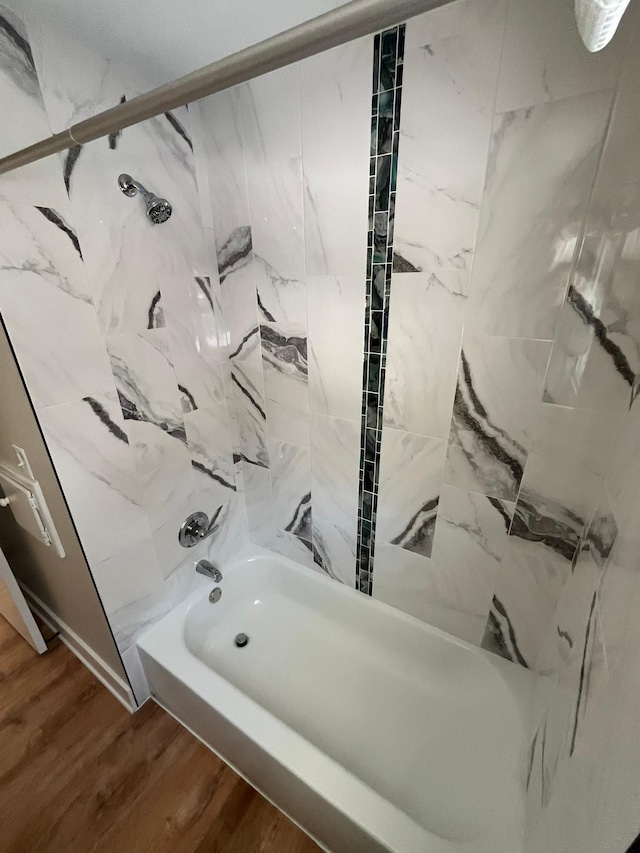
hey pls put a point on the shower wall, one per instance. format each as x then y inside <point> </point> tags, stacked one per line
<point>583,784</point>
<point>118,330</point>
<point>358,339</point>
<point>395,223</point>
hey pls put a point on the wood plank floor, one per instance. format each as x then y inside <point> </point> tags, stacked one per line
<point>79,774</point>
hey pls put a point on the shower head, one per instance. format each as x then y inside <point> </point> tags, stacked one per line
<point>158,209</point>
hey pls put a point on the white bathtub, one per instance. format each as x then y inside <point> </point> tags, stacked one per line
<point>369,729</point>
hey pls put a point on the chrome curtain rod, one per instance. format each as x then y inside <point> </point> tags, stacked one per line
<point>354,19</point>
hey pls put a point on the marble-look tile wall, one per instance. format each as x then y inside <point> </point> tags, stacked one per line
<point>583,785</point>
<point>118,330</point>
<point>481,492</point>
<point>217,362</point>
<point>485,491</point>
<point>284,176</point>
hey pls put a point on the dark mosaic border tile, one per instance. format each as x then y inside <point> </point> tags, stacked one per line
<point>386,102</point>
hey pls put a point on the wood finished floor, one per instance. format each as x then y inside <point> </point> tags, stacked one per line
<point>79,774</point>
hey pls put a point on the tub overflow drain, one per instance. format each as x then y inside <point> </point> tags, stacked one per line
<point>241,640</point>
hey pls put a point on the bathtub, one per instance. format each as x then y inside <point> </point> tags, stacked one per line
<point>370,729</point>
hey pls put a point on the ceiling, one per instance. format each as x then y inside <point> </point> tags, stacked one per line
<point>160,40</point>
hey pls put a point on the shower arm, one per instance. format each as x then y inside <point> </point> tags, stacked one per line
<point>350,21</point>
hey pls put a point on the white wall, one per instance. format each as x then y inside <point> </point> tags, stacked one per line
<point>161,40</point>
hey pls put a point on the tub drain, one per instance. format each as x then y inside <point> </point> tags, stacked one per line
<point>241,640</point>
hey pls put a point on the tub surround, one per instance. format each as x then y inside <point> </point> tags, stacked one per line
<point>583,738</point>
<point>219,362</point>
<point>222,353</point>
<point>127,377</point>
<point>460,483</point>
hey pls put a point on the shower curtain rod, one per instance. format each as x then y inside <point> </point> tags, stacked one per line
<point>354,19</point>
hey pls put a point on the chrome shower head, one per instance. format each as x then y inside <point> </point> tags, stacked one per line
<point>158,209</point>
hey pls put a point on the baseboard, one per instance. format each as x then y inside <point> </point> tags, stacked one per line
<point>111,680</point>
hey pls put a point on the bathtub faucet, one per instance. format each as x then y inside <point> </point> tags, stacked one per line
<point>204,567</point>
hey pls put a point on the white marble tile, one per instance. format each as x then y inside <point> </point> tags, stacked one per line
<point>596,354</point>
<point>45,303</point>
<point>154,423</point>
<point>526,594</point>
<point>192,309</point>
<point>249,403</point>
<point>540,171</point>
<point>277,219</point>
<point>173,474</point>
<point>238,295</point>
<point>624,472</point>
<point>124,253</point>
<point>41,182</point>
<point>334,549</point>
<point>291,482</point>
<point>497,397</point>
<point>616,596</point>
<point>287,423</point>
<point>212,330</point>
<point>146,381</point>
<point>280,300</point>
<point>470,539</point>
<point>197,366</point>
<point>76,81</point>
<point>294,548</point>
<point>336,345</point>
<point>271,115</point>
<point>544,58</point>
<point>453,19</point>
<point>402,579</point>
<point>131,620</point>
<point>409,487</point>
<point>582,667</point>
<point>201,167</point>
<point>620,162</point>
<point>124,567</point>
<point>447,107</point>
<point>210,439</point>
<point>259,501</point>
<point>335,455</point>
<point>555,503</point>
<point>223,153</point>
<point>284,360</point>
<point>335,98</point>
<point>425,329</point>
<point>580,437</point>
<point>94,461</point>
<point>231,535</point>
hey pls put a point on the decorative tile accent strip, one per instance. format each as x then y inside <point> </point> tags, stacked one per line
<point>388,55</point>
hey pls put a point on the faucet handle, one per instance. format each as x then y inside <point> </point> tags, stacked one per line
<point>197,526</point>
<point>204,567</point>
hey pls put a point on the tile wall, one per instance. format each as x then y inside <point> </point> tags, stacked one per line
<point>221,361</point>
<point>459,492</point>
<point>118,329</point>
<point>284,160</point>
<point>582,785</point>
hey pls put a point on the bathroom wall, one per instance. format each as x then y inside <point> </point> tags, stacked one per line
<point>403,390</point>
<point>352,336</point>
<point>284,164</point>
<point>117,329</point>
<point>583,788</point>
